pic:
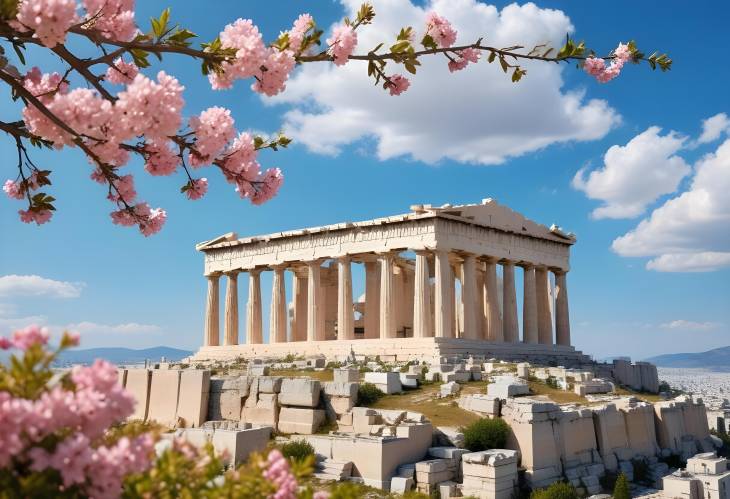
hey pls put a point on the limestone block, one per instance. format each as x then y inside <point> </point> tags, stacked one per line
<point>409,380</point>
<point>299,392</point>
<point>461,376</point>
<point>239,444</point>
<point>224,405</point>
<point>523,370</point>
<point>164,391</point>
<point>340,389</point>
<point>192,405</point>
<point>492,457</point>
<point>317,362</point>
<point>261,416</point>
<point>449,389</point>
<point>432,478</point>
<point>138,385</point>
<point>401,485</point>
<point>416,369</point>
<point>269,384</point>
<point>448,437</point>
<point>505,387</point>
<point>346,375</point>
<point>431,466</point>
<point>406,470</point>
<point>258,370</point>
<point>300,420</point>
<point>432,376</point>
<point>611,435</point>
<point>447,490</point>
<point>640,427</point>
<point>476,376</point>
<point>388,382</point>
<point>488,405</point>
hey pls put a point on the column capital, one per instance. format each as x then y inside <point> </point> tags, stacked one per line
<point>213,276</point>
<point>314,263</point>
<point>234,273</point>
<point>505,261</point>
<point>489,259</point>
<point>344,258</point>
<point>557,270</point>
<point>279,266</point>
<point>424,252</point>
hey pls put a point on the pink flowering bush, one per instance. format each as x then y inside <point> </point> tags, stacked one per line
<point>111,105</point>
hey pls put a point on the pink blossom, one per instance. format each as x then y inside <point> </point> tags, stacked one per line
<point>240,159</point>
<point>124,189</point>
<point>268,186</point>
<point>13,189</point>
<point>299,30</point>
<point>113,18</point>
<point>38,216</point>
<point>73,338</point>
<point>154,222</point>
<point>244,36</point>
<point>278,65</point>
<point>622,52</point>
<point>149,108</point>
<point>397,84</point>
<point>161,160</point>
<point>438,28</point>
<point>213,129</point>
<point>279,473</point>
<point>342,43</point>
<point>121,73</point>
<point>596,66</point>
<point>49,19</point>
<point>29,336</point>
<point>465,57</point>
<point>5,344</point>
<point>198,188</point>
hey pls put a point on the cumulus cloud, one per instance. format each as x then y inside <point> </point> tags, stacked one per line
<point>682,324</point>
<point>35,285</point>
<point>474,116</point>
<point>688,233</point>
<point>87,327</point>
<point>634,175</point>
<point>713,128</point>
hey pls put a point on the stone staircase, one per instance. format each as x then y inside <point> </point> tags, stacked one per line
<point>328,469</point>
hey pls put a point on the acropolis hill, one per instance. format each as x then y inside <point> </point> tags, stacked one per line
<point>431,289</point>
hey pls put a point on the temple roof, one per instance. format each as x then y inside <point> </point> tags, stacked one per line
<point>488,213</point>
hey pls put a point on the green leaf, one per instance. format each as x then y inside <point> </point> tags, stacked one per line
<point>492,56</point>
<point>17,47</point>
<point>429,42</point>
<point>503,63</point>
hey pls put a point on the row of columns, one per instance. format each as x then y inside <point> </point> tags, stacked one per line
<point>483,318</point>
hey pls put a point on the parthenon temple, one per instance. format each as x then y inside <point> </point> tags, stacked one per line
<point>438,281</point>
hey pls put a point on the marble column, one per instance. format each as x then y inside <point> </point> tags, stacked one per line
<point>254,333</point>
<point>481,299</point>
<point>529,306</point>
<point>387,297</point>
<point>231,310</point>
<point>315,312</point>
<point>299,317</point>
<point>345,310</point>
<point>277,317</point>
<point>544,318</point>
<point>562,316</point>
<point>469,297</point>
<point>212,311</point>
<point>509,304</point>
<point>444,302</point>
<point>422,298</point>
<point>372,300</point>
<point>494,319</point>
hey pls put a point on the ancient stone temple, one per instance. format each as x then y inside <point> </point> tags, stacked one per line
<point>438,281</point>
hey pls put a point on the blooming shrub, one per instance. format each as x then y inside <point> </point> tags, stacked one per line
<point>61,435</point>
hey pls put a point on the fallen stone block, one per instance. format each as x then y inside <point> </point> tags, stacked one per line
<point>164,391</point>
<point>299,392</point>
<point>258,370</point>
<point>138,385</point>
<point>388,382</point>
<point>400,485</point>
<point>300,420</point>
<point>346,375</point>
<point>449,389</point>
<point>269,384</point>
<point>239,444</point>
<point>409,380</point>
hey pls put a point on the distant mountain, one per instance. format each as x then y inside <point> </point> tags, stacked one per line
<point>717,359</point>
<point>123,356</point>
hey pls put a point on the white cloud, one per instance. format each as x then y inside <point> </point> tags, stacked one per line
<point>35,285</point>
<point>690,325</point>
<point>635,175</point>
<point>714,127</point>
<point>689,232</point>
<point>9,324</point>
<point>476,115</point>
<point>87,327</point>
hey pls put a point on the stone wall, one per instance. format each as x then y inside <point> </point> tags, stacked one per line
<point>641,376</point>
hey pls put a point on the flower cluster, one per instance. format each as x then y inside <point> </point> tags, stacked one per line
<point>440,30</point>
<point>49,20</point>
<point>464,58</point>
<point>121,73</point>
<point>278,472</point>
<point>18,189</point>
<point>296,35</point>
<point>396,84</point>
<point>113,18</point>
<point>342,44</point>
<point>596,66</point>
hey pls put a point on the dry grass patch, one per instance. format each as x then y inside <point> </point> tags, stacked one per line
<point>555,394</point>
<point>646,397</point>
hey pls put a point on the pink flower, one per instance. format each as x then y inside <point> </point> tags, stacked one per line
<point>240,159</point>
<point>213,129</point>
<point>121,73</point>
<point>465,57</point>
<point>596,66</point>
<point>161,160</point>
<point>278,65</point>
<point>113,18</point>
<point>296,35</point>
<point>73,338</point>
<point>13,189</point>
<point>342,43</point>
<point>268,186</point>
<point>278,472</point>
<point>149,108</point>
<point>49,19</point>
<point>5,343</point>
<point>124,189</point>
<point>244,36</point>
<point>38,216</point>
<point>440,30</point>
<point>29,336</point>
<point>154,222</point>
<point>197,189</point>
<point>397,84</point>
<point>622,52</point>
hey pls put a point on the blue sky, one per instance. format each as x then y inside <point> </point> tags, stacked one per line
<point>127,290</point>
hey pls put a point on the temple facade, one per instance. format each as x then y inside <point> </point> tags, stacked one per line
<point>438,281</point>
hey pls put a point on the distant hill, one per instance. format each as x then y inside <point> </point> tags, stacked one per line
<point>121,355</point>
<point>717,359</point>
